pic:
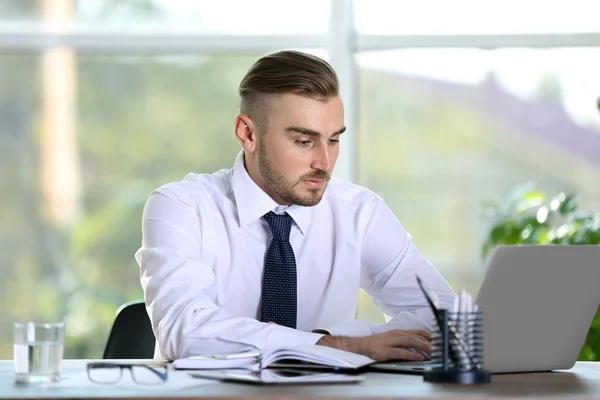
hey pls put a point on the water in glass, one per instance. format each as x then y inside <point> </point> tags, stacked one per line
<point>37,352</point>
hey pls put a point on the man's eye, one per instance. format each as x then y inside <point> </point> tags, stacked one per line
<point>333,141</point>
<point>302,142</point>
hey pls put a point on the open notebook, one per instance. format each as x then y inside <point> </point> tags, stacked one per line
<point>278,357</point>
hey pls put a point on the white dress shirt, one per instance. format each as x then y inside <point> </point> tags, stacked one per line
<point>203,250</point>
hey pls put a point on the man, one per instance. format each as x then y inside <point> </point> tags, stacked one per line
<point>273,252</point>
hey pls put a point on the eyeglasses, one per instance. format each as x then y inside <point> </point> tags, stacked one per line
<point>110,373</point>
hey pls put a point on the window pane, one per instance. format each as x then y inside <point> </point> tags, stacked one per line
<point>19,10</point>
<point>206,16</point>
<point>20,225</point>
<point>475,16</point>
<point>442,130</point>
<point>83,141</point>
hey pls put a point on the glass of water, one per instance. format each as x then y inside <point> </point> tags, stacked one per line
<point>38,351</point>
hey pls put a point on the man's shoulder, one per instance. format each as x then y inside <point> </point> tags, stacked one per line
<point>349,193</point>
<point>199,185</point>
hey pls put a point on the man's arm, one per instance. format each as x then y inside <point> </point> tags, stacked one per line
<point>391,263</point>
<point>179,288</point>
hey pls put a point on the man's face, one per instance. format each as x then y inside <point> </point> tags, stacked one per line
<point>298,151</point>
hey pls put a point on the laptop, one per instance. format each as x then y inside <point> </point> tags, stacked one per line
<point>538,303</point>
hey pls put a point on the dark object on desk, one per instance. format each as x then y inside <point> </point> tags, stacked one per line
<point>457,342</point>
<point>131,336</point>
<point>108,373</point>
<point>458,349</point>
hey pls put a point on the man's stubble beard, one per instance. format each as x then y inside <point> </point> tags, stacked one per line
<point>276,181</point>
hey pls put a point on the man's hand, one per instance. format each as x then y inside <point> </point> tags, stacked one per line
<point>386,346</point>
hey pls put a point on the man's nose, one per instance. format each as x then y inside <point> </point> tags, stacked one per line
<point>322,159</point>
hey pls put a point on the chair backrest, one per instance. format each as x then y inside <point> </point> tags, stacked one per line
<point>131,335</point>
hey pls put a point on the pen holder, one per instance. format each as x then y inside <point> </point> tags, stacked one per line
<point>458,349</point>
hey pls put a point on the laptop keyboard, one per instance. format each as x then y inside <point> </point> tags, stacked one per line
<point>409,363</point>
<point>405,366</point>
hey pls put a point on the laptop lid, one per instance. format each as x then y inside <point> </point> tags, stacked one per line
<point>538,303</point>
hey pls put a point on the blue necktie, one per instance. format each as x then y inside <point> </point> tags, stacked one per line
<point>279,289</point>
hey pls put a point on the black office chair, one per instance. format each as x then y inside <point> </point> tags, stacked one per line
<point>131,335</point>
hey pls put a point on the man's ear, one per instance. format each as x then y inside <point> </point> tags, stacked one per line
<point>245,132</point>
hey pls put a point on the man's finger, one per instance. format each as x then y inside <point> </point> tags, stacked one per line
<point>420,332</point>
<point>411,341</point>
<point>399,333</point>
<point>404,354</point>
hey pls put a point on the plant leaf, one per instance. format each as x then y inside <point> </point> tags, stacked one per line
<point>569,205</point>
<point>534,198</point>
<point>515,196</point>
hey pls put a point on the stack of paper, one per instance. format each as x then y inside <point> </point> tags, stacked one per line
<point>316,354</point>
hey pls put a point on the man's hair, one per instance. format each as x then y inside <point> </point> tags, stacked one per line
<point>285,72</point>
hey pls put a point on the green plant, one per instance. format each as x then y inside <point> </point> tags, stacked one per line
<point>527,216</point>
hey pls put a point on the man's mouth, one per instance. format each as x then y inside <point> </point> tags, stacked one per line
<point>315,183</point>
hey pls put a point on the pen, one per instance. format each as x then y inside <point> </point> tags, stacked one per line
<point>433,301</point>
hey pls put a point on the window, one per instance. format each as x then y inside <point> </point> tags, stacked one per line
<point>137,93</point>
<point>71,204</point>
<point>239,17</point>
<point>449,128</point>
<point>439,17</point>
<point>87,135</point>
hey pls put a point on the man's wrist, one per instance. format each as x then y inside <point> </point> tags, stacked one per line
<point>337,342</point>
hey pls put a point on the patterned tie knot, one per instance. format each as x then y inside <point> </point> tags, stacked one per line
<point>280,225</point>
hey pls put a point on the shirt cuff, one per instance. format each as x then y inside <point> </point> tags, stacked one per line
<point>288,337</point>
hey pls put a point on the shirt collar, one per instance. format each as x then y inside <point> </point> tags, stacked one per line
<point>252,202</point>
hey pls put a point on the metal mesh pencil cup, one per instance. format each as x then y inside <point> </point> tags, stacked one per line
<point>457,346</point>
